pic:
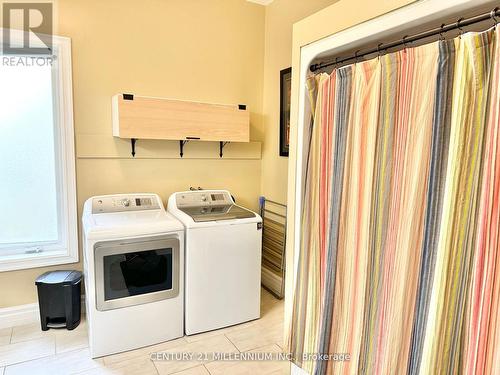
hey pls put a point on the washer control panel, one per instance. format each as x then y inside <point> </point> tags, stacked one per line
<point>123,203</point>
<point>203,198</point>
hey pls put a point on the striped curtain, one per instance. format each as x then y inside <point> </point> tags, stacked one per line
<point>399,263</point>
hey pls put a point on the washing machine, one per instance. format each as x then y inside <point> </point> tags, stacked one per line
<point>134,272</point>
<point>223,259</point>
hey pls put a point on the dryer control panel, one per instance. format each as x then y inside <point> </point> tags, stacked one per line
<point>203,198</point>
<point>123,203</point>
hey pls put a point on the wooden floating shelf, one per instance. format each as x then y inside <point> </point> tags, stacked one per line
<point>155,118</point>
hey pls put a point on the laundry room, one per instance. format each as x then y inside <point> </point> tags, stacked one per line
<point>201,187</point>
<point>196,52</point>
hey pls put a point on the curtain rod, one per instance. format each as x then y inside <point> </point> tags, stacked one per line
<point>462,22</point>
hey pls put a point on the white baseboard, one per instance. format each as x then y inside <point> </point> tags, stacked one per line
<point>23,314</point>
<point>19,315</point>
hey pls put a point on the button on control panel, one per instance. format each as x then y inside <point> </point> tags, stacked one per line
<point>107,204</point>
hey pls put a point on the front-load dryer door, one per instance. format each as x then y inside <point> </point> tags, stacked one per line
<point>134,272</point>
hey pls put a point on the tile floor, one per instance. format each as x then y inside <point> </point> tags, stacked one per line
<point>28,350</point>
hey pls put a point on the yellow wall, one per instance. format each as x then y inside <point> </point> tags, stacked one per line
<point>280,17</point>
<point>196,50</point>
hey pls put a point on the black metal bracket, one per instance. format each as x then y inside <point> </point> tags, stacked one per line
<point>221,147</point>
<point>181,147</point>
<point>132,143</point>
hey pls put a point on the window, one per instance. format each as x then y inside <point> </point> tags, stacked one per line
<point>38,219</point>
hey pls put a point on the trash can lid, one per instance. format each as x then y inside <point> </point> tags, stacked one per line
<point>65,277</point>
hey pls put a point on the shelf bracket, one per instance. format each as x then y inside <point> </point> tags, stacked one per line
<point>221,147</point>
<point>181,147</point>
<point>132,143</point>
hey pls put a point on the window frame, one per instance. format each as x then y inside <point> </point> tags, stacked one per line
<point>66,250</point>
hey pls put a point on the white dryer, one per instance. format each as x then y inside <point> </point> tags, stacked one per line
<point>223,259</point>
<point>134,272</point>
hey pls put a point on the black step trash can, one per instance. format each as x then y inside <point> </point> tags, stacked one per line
<point>59,299</point>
